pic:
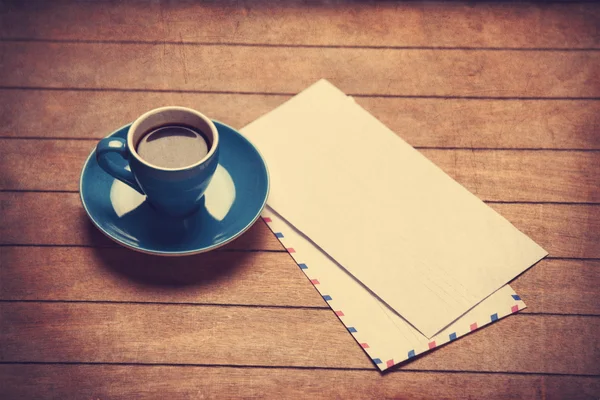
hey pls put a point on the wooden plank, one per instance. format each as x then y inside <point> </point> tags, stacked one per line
<point>134,333</point>
<point>59,219</point>
<point>41,112</point>
<point>565,230</point>
<point>144,382</point>
<point>490,123</point>
<point>422,122</point>
<point>88,274</point>
<point>308,22</point>
<point>116,274</point>
<point>506,175</point>
<point>495,175</point>
<point>561,286</point>
<point>413,72</point>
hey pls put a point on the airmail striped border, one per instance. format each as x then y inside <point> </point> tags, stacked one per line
<point>384,361</point>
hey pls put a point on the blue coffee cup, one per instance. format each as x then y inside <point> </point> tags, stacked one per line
<point>176,192</point>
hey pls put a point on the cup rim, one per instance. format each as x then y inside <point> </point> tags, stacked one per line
<point>138,121</point>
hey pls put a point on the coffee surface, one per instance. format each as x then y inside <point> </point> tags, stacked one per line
<point>172,146</point>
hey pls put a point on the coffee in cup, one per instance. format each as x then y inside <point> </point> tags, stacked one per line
<point>173,146</point>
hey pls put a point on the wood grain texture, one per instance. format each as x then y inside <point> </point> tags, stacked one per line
<point>273,279</point>
<point>59,219</point>
<point>506,175</point>
<point>149,333</point>
<point>309,23</point>
<point>495,175</point>
<point>556,124</point>
<point>248,324</point>
<point>63,382</point>
<point>564,230</point>
<point>413,72</point>
<point>560,286</point>
<point>117,274</point>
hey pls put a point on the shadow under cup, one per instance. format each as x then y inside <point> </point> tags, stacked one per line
<point>173,191</point>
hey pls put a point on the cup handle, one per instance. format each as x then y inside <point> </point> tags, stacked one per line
<point>119,146</point>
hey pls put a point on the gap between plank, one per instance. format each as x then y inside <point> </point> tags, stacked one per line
<point>115,246</point>
<point>292,45</point>
<point>549,149</point>
<point>250,366</point>
<point>370,95</point>
<point>574,203</point>
<point>164,303</point>
<point>238,305</point>
<point>234,250</point>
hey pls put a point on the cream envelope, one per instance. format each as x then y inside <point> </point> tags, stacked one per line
<point>383,334</point>
<point>421,242</point>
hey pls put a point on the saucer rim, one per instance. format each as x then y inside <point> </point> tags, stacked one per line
<point>177,253</point>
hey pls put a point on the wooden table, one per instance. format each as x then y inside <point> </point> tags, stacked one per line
<point>504,97</point>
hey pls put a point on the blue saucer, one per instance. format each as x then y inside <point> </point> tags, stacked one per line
<point>232,203</point>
